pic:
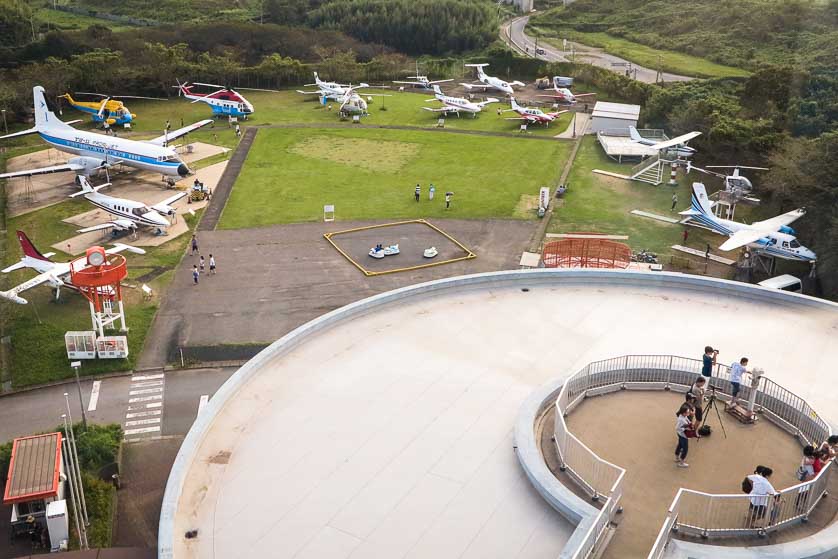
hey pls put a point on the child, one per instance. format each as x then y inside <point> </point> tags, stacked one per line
<point>212,265</point>
<point>682,423</point>
<point>202,263</point>
<point>195,274</point>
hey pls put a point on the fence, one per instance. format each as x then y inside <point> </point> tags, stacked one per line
<point>691,512</point>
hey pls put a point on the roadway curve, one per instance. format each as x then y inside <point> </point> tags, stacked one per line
<point>512,33</point>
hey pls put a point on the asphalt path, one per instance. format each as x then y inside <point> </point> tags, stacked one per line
<point>514,34</point>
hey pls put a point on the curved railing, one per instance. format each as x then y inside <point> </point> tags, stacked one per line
<point>691,512</point>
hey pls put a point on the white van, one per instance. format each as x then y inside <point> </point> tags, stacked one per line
<point>785,282</point>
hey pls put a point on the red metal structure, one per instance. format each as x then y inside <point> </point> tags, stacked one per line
<point>586,253</point>
<point>97,276</point>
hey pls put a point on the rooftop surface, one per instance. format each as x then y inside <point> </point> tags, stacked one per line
<point>389,434</point>
<point>34,468</point>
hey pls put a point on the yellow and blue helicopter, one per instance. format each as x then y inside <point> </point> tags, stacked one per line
<point>109,110</point>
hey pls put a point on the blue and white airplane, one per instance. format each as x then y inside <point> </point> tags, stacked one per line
<point>772,236</point>
<point>94,152</point>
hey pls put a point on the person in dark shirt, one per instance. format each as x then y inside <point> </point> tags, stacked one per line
<point>709,359</point>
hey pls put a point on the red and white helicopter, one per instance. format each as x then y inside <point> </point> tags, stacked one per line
<point>224,101</point>
<point>564,95</point>
<point>56,274</point>
<point>531,114</point>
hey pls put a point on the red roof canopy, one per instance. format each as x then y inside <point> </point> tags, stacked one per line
<point>34,468</point>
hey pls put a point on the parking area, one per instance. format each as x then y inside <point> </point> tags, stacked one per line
<point>271,280</point>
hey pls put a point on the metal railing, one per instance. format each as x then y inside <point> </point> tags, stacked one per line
<point>692,512</point>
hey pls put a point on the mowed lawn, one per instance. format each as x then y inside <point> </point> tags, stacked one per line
<point>290,174</point>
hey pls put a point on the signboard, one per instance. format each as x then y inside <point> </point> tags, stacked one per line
<point>544,198</point>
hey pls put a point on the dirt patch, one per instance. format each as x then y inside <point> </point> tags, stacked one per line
<point>372,155</point>
<point>526,207</point>
<point>222,457</point>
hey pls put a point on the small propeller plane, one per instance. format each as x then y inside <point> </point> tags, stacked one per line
<point>129,214</point>
<point>56,274</point>
<point>422,81</point>
<point>457,105</point>
<point>564,95</point>
<point>677,145</point>
<point>94,152</point>
<point>772,236</point>
<point>108,111</point>
<point>491,82</point>
<point>531,114</point>
<point>224,101</point>
<point>330,90</point>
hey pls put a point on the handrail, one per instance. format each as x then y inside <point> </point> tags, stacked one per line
<point>720,514</point>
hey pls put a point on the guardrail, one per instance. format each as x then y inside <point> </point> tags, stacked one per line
<point>691,512</point>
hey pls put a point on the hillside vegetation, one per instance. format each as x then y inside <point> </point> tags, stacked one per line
<point>742,33</point>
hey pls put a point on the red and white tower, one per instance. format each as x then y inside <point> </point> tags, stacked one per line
<point>97,275</point>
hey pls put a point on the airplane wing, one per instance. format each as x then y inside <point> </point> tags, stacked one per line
<point>33,130</point>
<point>743,237</point>
<point>676,141</point>
<point>516,82</point>
<point>44,277</point>
<point>412,83</point>
<point>474,85</point>
<point>309,92</point>
<point>118,224</point>
<point>527,118</point>
<point>174,135</point>
<point>165,206</point>
<point>486,102</point>
<point>774,223</point>
<point>119,247</point>
<point>441,109</point>
<point>440,81</point>
<point>43,171</point>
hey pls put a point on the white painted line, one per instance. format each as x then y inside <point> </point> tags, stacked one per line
<point>147,384</point>
<point>141,430</point>
<point>145,398</point>
<point>94,395</point>
<point>154,405</point>
<point>142,422</point>
<point>202,403</point>
<point>145,391</point>
<point>146,377</point>
<point>143,414</point>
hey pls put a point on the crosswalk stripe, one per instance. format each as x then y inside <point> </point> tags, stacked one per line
<point>136,422</point>
<point>145,398</point>
<point>94,395</point>
<point>146,384</point>
<point>154,405</point>
<point>141,430</point>
<point>146,377</point>
<point>145,391</point>
<point>143,414</point>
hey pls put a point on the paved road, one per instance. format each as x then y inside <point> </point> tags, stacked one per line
<point>513,34</point>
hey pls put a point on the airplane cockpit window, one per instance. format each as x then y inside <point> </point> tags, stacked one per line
<point>794,244</point>
<point>141,211</point>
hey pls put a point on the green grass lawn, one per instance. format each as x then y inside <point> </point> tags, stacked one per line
<point>370,174</point>
<point>670,61</point>
<point>289,107</point>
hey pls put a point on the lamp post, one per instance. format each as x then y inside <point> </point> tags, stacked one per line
<point>76,365</point>
<point>5,126</point>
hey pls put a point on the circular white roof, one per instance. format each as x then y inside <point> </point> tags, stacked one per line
<point>384,429</point>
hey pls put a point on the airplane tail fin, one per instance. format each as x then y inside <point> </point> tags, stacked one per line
<point>316,78</point>
<point>437,90</point>
<point>635,135</point>
<point>44,117</point>
<point>29,249</point>
<point>514,104</point>
<point>700,203</point>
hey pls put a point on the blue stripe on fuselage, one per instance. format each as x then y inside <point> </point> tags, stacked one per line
<point>114,153</point>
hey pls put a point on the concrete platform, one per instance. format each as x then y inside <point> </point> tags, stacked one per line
<point>623,146</point>
<point>27,195</point>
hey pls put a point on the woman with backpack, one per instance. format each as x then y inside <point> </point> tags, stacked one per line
<point>761,489</point>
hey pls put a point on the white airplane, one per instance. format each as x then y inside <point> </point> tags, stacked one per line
<point>491,82</point>
<point>564,95</point>
<point>422,81</point>
<point>96,151</point>
<point>531,114</point>
<point>330,90</point>
<point>677,145</point>
<point>56,274</point>
<point>772,236</point>
<point>129,214</point>
<point>457,104</point>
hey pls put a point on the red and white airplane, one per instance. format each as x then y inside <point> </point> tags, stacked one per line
<point>565,96</point>
<point>224,101</point>
<point>531,114</point>
<point>457,104</point>
<point>56,274</point>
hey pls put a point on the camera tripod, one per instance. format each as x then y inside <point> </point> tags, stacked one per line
<point>712,403</point>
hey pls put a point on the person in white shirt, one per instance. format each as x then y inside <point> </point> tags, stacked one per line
<point>683,422</point>
<point>736,372</point>
<point>760,491</point>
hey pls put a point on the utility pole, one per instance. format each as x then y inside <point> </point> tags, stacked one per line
<point>76,365</point>
<point>6,126</point>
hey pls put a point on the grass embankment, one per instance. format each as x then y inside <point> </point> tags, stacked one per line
<point>371,174</point>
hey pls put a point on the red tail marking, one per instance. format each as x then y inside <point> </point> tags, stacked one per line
<point>29,249</point>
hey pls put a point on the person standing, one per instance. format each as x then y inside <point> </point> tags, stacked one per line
<point>736,371</point>
<point>674,201</point>
<point>686,235</point>
<point>212,265</point>
<point>708,361</point>
<point>417,192</point>
<point>697,392</point>
<point>168,126</point>
<point>447,200</point>
<point>194,243</point>
<point>238,131</point>
<point>682,423</point>
<point>431,191</point>
<point>760,490</point>
<point>202,261</point>
<point>195,274</point>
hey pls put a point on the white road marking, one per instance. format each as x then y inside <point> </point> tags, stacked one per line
<point>145,391</point>
<point>146,384</point>
<point>94,395</point>
<point>143,414</point>
<point>142,422</point>
<point>154,405</point>
<point>141,430</point>
<point>146,377</point>
<point>203,402</point>
<point>145,398</point>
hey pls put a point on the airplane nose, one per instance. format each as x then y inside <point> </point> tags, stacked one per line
<point>183,170</point>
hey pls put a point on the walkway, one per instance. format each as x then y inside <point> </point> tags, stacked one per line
<point>225,186</point>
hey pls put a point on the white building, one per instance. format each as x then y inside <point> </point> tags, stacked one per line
<point>613,116</point>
